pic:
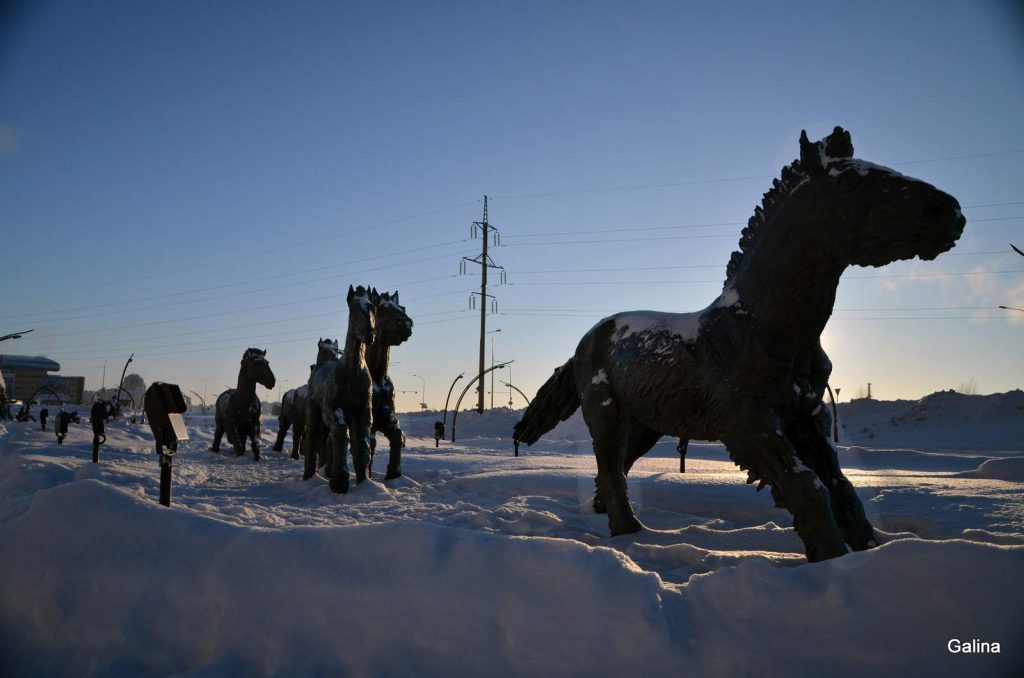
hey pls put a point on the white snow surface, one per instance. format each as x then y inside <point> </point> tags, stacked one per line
<point>477,562</point>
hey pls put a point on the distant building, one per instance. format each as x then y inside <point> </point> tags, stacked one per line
<point>25,374</point>
<point>125,398</point>
<point>70,389</point>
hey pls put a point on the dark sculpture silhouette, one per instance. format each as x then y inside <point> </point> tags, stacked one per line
<point>292,416</point>
<point>293,404</point>
<point>237,412</point>
<point>393,327</point>
<point>98,418</point>
<point>749,369</point>
<point>340,397</point>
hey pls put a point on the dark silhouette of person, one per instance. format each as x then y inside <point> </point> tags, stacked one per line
<point>43,414</point>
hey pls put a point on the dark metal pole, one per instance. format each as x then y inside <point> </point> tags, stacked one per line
<point>455,412</point>
<point>528,403</point>
<point>14,335</point>
<point>681,448</point>
<point>166,466</point>
<point>444,419</point>
<point>117,398</point>
<point>483,317</point>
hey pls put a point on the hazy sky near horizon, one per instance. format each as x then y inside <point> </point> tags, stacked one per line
<point>183,180</point>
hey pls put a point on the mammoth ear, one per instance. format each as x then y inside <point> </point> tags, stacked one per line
<point>838,144</point>
<point>810,155</point>
<point>351,294</point>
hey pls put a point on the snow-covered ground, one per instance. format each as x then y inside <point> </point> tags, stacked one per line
<point>477,562</point>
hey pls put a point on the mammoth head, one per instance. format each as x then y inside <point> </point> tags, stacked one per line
<point>816,156</point>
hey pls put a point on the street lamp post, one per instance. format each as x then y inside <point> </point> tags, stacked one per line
<point>444,419</point>
<point>117,398</point>
<point>455,413</point>
<point>14,335</point>
<point>481,385</point>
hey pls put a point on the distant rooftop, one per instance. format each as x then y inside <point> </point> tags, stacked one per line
<point>28,362</point>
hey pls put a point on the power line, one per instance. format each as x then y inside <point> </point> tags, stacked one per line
<point>682,266</point>
<point>232,347</point>
<point>721,180</point>
<point>632,229</point>
<point>277,248</point>
<point>230,312</point>
<point>260,279</point>
<point>958,317</point>
<point>719,281</point>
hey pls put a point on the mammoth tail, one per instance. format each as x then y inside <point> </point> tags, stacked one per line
<point>556,400</point>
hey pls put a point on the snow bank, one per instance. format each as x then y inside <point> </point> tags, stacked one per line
<point>103,582</point>
<point>99,580</point>
<point>942,420</point>
<point>886,612</point>
<point>1009,468</point>
<point>946,420</point>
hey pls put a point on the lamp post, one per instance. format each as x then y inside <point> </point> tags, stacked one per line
<point>444,419</point>
<point>117,398</point>
<point>423,404</point>
<point>455,413</point>
<point>200,398</point>
<point>492,366</point>
<point>510,387</point>
<point>14,335</point>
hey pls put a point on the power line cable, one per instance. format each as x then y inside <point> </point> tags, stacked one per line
<point>719,281</point>
<point>230,312</point>
<point>698,182</point>
<point>631,229</point>
<point>279,248</point>
<point>264,279</point>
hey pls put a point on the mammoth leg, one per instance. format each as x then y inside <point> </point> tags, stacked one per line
<point>218,433</point>
<point>770,457</point>
<point>361,434</point>
<point>256,436</point>
<point>316,434</point>
<point>396,440</point>
<point>639,441</point>
<point>812,438</point>
<point>283,423</point>
<point>298,433</point>
<point>602,417</point>
<point>339,454</point>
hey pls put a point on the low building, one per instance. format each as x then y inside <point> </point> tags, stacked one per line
<point>66,389</point>
<point>25,374</point>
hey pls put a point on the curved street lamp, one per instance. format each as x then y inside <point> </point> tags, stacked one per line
<point>516,389</point>
<point>444,419</point>
<point>455,413</point>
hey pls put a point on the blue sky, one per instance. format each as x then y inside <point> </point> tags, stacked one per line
<point>188,179</point>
